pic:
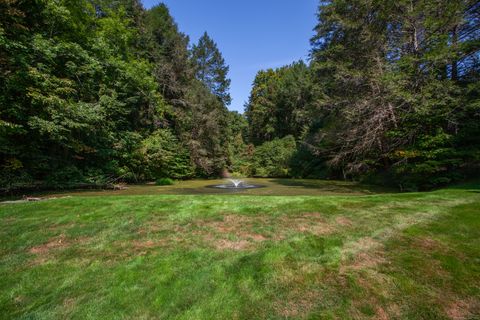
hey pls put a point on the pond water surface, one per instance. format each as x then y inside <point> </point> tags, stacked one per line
<point>277,187</point>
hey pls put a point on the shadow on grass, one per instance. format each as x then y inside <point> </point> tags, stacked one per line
<point>472,186</point>
<point>332,186</point>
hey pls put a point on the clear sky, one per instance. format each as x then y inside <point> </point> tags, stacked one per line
<point>251,34</point>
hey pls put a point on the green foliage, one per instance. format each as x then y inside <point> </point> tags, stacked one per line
<point>65,177</point>
<point>272,159</point>
<point>129,162</point>
<point>101,90</point>
<point>164,182</point>
<point>239,152</point>
<point>306,164</point>
<point>198,115</point>
<point>391,93</point>
<point>431,162</point>
<point>164,156</point>
<point>394,89</point>
<point>280,103</point>
<point>13,175</point>
<point>210,68</point>
<point>109,91</point>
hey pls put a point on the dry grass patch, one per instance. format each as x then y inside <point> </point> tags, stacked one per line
<point>9,220</point>
<point>69,304</point>
<point>234,225</point>
<point>463,309</point>
<point>428,245</point>
<point>362,245</point>
<point>44,251</point>
<point>362,259</point>
<point>381,314</point>
<point>343,221</point>
<point>298,304</point>
<point>56,243</point>
<point>149,244</point>
<point>142,247</point>
<point>224,244</point>
<point>242,229</point>
<point>233,232</point>
<point>312,222</point>
<point>364,254</point>
<point>303,282</point>
<point>366,260</point>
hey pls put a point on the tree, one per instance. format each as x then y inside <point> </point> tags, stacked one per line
<point>391,93</point>
<point>282,102</point>
<point>197,115</point>
<point>169,53</point>
<point>210,68</point>
<point>165,156</point>
<point>239,154</point>
<point>390,76</point>
<point>97,91</point>
<point>272,159</point>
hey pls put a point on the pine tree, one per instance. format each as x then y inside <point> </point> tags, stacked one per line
<point>280,103</point>
<point>169,54</point>
<point>210,68</point>
<point>394,76</point>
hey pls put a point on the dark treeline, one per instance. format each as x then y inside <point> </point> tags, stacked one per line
<point>390,95</point>
<point>98,91</point>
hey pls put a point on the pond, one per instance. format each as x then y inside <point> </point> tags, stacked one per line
<point>275,187</point>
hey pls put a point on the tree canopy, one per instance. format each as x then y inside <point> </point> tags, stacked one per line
<point>391,94</point>
<point>102,91</point>
<point>210,68</point>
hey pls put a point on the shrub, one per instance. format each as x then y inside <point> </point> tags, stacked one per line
<point>164,182</point>
<point>306,164</point>
<point>13,175</point>
<point>433,161</point>
<point>165,156</point>
<point>272,159</point>
<point>65,177</point>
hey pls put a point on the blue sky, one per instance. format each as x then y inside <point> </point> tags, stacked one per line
<point>251,34</point>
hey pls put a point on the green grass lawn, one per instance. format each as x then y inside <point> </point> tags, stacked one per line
<point>379,256</point>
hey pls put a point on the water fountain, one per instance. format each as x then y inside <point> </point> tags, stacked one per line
<point>236,184</point>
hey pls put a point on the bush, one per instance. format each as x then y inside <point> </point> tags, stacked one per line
<point>13,176</point>
<point>165,156</point>
<point>164,182</point>
<point>306,164</point>
<point>432,162</point>
<point>272,159</point>
<point>65,177</point>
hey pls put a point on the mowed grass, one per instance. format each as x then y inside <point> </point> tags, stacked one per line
<point>384,256</point>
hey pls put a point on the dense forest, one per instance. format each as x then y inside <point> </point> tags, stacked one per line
<point>96,92</point>
<point>391,95</point>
